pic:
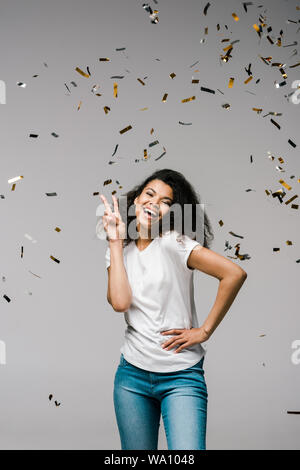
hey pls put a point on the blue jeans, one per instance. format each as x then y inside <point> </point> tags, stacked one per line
<point>140,396</point>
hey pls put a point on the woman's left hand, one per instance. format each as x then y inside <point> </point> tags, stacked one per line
<point>184,338</point>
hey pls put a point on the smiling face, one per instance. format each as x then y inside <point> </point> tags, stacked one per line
<point>156,197</point>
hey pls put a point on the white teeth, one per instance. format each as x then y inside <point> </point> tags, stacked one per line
<point>149,212</point>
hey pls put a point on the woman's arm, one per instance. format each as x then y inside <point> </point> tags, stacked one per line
<point>231,278</point>
<point>119,292</point>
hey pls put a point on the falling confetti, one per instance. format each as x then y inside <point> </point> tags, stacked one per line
<point>125,129</point>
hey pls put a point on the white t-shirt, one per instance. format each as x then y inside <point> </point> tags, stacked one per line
<point>162,299</point>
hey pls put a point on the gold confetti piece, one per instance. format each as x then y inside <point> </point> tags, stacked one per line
<point>266,60</point>
<point>143,109</point>
<point>106,109</point>
<point>95,88</point>
<point>141,81</point>
<point>104,59</point>
<point>208,90</point>
<point>291,199</point>
<point>261,336</point>
<point>13,187</point>
<point>145,154</point>
<point>172,75</point>
<point>227,48</point>
<point>273,113</point>
<point>292,143</point>
<point>125,129</point>
<point>55,259</point>
<point>152,130</point>
<point>79,106</point>
<point>230,84</point>
<point>226,57</point>
<point>164,97</point>
<point>283,73</point>
<point>107,182</point>
<point>248,69</point>
<point>188,99</point>
<point>235,17</point>
<point>115,90</point>
<point>275,123</point>
<point>226,106</point>
<point>221,223</point>
<point>35,274</point>
<point>235,235</point>
<point>206,30</point>
<point>195,80</point>
<point>258,110</point>
<point>206,8</point>
<point>285,184</point>
<point>160,156</point>
<point>256,28</point>
<point>82,72</point>
<point>248,79</point>
<point>289,242</point>
<point>280,159</point>
<point>57,229</point>
<point>16,178</point>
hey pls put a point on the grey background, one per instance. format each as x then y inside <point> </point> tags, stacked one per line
<point>65,338</point>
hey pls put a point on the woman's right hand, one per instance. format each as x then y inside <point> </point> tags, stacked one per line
<point>112,221</point>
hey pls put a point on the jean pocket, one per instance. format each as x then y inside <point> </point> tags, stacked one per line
<point>123,362</point>
<point>198,366</point>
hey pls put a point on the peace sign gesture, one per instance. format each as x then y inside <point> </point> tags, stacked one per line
<point>112,221</point>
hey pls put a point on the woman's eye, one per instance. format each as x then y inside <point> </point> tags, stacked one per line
<point>168,203</point>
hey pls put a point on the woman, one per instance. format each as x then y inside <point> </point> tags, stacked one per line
<point>150,279</point>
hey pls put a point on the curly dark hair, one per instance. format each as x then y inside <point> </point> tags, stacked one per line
<point>183,195</point>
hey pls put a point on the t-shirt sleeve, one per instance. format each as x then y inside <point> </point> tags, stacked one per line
<point>107,257</point>
<point>185,246</point>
